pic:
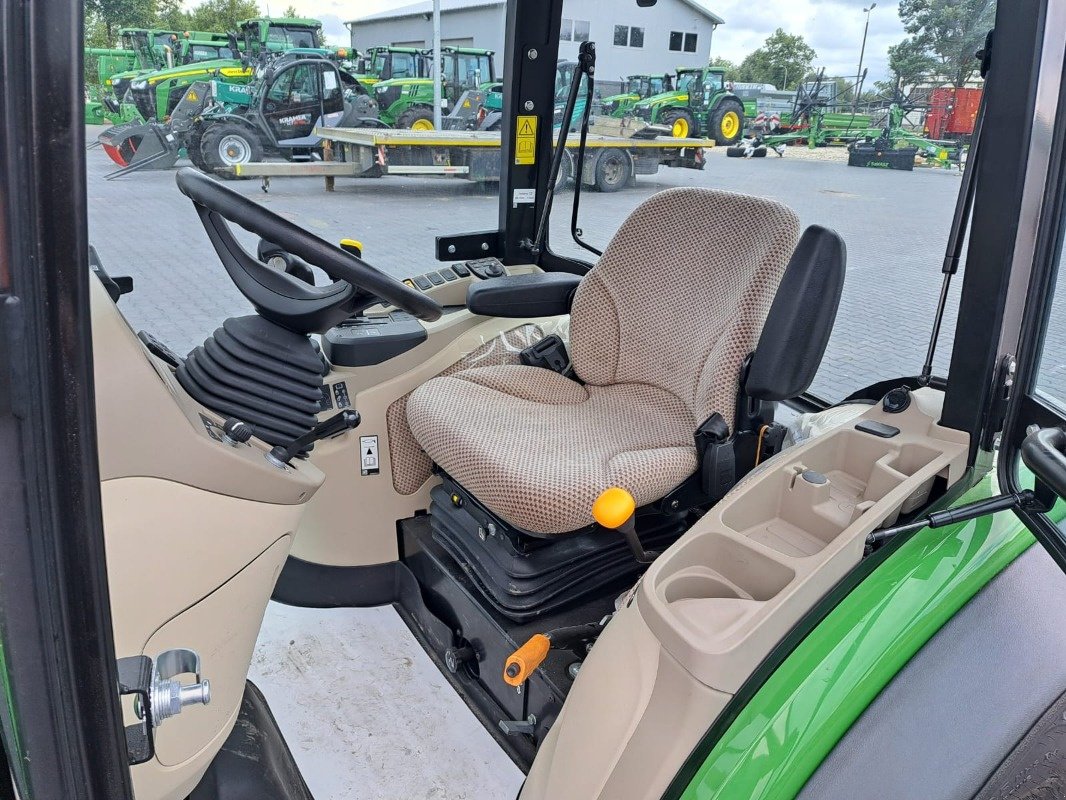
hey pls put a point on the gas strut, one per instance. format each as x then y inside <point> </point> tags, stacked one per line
<point>586,68</point>
<point>960,222</point>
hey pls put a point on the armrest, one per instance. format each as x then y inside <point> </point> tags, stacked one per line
<point>542,294</point>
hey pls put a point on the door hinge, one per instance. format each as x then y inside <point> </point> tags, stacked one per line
<point>158,695</point>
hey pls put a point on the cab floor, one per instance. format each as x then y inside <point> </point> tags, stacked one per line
<point>366,713</point>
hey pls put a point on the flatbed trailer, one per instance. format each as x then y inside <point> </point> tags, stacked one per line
<point>611,162</point>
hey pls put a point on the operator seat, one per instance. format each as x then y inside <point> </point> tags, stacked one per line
<point>659,331</point>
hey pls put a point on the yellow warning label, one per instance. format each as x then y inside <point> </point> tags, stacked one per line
<point>525,140</point>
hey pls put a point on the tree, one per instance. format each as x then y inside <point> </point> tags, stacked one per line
<point>783,60</point>
<point>115,14</point>
<point>221,15</point>
<point>910,62</point>
<point>172,16</point>
<point>291,11</point>
<point>951,31</point>
<point>729,67</point>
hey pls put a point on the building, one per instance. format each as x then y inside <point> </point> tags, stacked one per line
<point>630,40</point>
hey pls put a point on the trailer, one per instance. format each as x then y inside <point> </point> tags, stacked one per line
<point>952,113</point>
<point>611,162</point>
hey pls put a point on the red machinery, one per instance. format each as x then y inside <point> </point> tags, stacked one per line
<point>952,113</point>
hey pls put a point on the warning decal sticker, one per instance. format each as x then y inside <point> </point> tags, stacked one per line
<point>525,140</point>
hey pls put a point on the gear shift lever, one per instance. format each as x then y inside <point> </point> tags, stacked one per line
<point>281,455</point>
<point>614,509</point>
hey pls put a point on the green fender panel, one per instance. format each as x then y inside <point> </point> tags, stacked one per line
<point>781,736</point>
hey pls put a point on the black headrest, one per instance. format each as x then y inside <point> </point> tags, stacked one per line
<point>801,318</point>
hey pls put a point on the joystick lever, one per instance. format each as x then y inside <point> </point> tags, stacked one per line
<point>615,509</point>
<point>281,455</point>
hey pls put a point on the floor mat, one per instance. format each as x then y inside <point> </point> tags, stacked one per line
<point>367,715</point>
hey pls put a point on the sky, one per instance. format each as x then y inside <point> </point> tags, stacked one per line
<point>832,27</point>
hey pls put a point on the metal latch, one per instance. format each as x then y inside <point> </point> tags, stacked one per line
<point>158,695</point>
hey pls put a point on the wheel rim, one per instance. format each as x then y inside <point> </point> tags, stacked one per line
<point>680,128</point>
<point>730,124</point>
<point>613,171</point>
<point>233,149</point>
<point>422,125</point>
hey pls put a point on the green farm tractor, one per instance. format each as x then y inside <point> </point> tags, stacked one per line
<point>157,93</point>
<point>698,105</point>
<point>219,124</point>
<point>407,102</point>
<point>634,89</point>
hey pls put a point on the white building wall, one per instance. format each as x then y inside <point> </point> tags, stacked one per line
<point>614,62</point>
<point>484,27</point>
<point>475,27</point>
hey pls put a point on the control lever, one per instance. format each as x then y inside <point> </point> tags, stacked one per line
<point>615,509</point>
<point>281,455</point>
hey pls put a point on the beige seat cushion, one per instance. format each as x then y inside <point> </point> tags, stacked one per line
<point>659,329</point>
<point>538,448</point>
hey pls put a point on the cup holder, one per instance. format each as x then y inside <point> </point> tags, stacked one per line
<point>701,584</point>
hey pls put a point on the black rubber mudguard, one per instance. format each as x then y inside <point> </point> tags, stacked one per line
<point>254,763</point>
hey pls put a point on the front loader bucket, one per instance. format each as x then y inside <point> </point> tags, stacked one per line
<point>136,145</point>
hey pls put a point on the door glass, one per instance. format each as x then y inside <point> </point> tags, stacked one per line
<point>1051,374</point>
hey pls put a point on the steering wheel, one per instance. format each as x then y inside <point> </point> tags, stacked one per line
<point>277,296</point>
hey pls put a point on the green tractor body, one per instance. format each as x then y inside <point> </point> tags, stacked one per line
<point>698,105</point>
<point>155,94</point>
<point>634,88</point>
<point>407,102</point>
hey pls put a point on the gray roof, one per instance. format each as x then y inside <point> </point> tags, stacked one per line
<point>426,7</point>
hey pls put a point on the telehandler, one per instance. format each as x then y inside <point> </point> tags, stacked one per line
<point>567,476</point>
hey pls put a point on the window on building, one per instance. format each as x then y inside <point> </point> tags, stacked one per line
<point>679,41</point>
<point>566,30</point>
<point>581,30</point>
<point>627,36</point>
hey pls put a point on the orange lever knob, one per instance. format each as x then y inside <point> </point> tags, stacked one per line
<point>521,663</point>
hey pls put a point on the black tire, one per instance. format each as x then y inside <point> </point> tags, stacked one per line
<point>742,152</point>
<point>194,148</point>
<point>412,116</point>
<point>226,144</point>
<point>613,170</point>
<point>566,172</point>
<point>677,117</point>
<point>723,115</point>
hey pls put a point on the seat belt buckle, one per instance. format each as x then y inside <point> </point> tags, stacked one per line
<point>548,353</point>
<point>718,468</point>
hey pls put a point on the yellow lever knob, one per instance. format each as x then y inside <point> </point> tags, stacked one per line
<point>353,246</point>
<point>521,663</point>
<point>614,507</point>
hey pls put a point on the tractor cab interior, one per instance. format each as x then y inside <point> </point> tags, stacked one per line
<point>575,482</point>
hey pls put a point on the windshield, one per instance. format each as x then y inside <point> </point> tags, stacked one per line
<point>473,70</point>
<point>684,80</point>
<point>403,65</point>
<point>292,36</point>
<point>207,52</point>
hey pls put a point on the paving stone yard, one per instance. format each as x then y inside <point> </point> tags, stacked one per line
<point>894,224</point>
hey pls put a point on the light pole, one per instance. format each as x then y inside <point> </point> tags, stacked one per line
<point>862,52</point>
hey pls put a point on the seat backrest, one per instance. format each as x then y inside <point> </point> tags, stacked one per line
<point>679,297</point>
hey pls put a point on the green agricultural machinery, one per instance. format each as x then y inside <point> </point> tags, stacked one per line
<point>219,124</point>
<point>634,89</point>
<point>698,105</point>
<point>876,138</point>
<point>108,62</point>
<point>407,102</point>
<point>156,94</point>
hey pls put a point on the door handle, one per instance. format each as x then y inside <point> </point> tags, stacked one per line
<point>1044,452</point>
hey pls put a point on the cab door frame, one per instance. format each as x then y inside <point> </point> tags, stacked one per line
<point>60,717</point>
